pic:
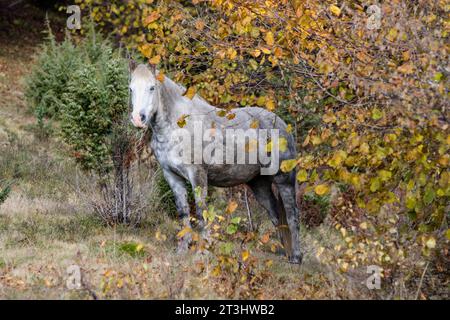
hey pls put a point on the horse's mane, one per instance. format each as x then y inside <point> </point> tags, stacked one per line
<point>171,91</point>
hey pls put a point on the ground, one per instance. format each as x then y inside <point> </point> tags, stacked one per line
<point>46,226</point>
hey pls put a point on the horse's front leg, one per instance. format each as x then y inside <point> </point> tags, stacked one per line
<point>199,181</point>
<point>178,186</point>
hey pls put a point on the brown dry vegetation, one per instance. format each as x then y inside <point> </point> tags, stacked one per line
<point>45,227</point>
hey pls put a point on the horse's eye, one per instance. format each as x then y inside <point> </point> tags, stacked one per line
<point>152,88</point>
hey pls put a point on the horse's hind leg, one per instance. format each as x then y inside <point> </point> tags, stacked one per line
<point>262,189</point>
<point>286,187</point>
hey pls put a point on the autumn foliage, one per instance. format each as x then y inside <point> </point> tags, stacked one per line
<point>365,90</point>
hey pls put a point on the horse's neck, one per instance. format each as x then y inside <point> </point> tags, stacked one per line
<point>172,105</point>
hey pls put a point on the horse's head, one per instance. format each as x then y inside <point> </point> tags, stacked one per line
<point>143,92</point>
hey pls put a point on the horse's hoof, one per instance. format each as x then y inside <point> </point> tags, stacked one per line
<point>296,259</point>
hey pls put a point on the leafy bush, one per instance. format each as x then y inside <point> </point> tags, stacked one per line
<point>94,102</point>
<point>48,79</point>
<point>84,86</point>
<point>369,103</point>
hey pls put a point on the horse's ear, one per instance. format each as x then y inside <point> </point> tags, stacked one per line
<point>132,65</point>
<point>153,69</point>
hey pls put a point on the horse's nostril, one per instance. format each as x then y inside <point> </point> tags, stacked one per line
<point>142,117</point>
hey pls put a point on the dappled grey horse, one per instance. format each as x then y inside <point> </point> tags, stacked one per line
<point>160,103</point>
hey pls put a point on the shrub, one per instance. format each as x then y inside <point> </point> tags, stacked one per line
<point>84,86</point>
<point>49,76</point>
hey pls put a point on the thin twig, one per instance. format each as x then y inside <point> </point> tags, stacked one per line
<point>421,280</point>
<point>249,213</point>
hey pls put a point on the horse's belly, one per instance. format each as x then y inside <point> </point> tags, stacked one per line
<point>231,175</point>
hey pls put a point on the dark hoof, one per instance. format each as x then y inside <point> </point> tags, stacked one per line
<point>297,259</point>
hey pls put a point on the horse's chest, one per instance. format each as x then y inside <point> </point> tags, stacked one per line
<point>164,153</point>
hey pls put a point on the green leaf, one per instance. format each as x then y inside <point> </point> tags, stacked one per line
<point>236,220</point>
<point>429,195</point>
<point>376,114</point>
<point>302,175</point>
<point>232,228</point>
<point>438,76</point>
<point>227,248</point>
<point>385,175</point>
<point>411,202</point>
<point>375,184</point>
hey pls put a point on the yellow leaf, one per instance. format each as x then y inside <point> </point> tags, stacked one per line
<point>183,232</point>
<point>181,122</point>
<point>282,144</point>
<point>364,148</point>
<point>431,243</point>
<point>321,189</point>
<point>270,105</point>
<point>231,116</point>
<point>155,60</point>
<point>146,50</point>
<point>316,140</point>
<point>335,10</point>
<point>338,157</point>
<point>288,165</point>
<point>302,175</point>
<point>261,101</point>
<point>232,53</point>
<point>245,255</point>
<point>254,124</point>
<point>256,53</point>
<point>269,38</point>
<point>265,50</point>
<point>139,247</point>
<point>392,35</point>
<point>160,77</point>
<point>269,146</point>
<point>190,93</point>
<point>289,128</point>
<point>232,206</point>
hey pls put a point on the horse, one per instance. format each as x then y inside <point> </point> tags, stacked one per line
<point>162,105</point>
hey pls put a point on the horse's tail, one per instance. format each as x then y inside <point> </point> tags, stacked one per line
<point>283,227</point>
